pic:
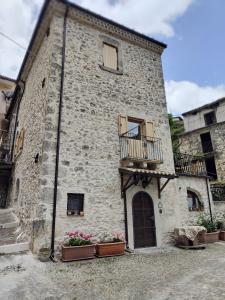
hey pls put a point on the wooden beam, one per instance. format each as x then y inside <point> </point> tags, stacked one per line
<point>160,189</point>
<point>158,185</point>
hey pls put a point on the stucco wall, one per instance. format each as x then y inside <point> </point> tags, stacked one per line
<point>195,121</point>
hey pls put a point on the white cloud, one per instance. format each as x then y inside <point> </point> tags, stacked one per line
<point>185,95</point>
<point>18,17</point>
<point>17,20</point>
<point>150,17</point>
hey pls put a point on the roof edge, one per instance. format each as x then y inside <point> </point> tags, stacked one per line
<point>123,27</point>
<point>208,105</point>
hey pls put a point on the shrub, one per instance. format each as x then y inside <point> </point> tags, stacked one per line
<point>210,225</point>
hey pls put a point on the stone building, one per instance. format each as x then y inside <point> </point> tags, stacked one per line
<point>7,86</point>
<point>205,135</point>
<point>92,147</point>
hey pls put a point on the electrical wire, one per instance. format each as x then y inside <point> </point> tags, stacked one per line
<point>12,40</point>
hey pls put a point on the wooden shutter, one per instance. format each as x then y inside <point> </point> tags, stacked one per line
<point>123,125</point>
<point>16,144</point>
<point>148,130</point>
<point>110,56</point>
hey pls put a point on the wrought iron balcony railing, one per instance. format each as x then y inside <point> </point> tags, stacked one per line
<point>137,148</point>
<point>189,164</point>
<point>4,147</point>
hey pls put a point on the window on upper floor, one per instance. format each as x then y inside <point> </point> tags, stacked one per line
<point>210,118</point>
<point>136,128</point>
<point>194,204</point>
<point>75,204</point>
<point>110,56</point>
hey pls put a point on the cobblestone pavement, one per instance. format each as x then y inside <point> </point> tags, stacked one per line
<point>172,274</point>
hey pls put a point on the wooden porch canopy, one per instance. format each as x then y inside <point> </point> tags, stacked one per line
<point>131,176</point>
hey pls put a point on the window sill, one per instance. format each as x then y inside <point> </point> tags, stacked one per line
<point>117,72</point>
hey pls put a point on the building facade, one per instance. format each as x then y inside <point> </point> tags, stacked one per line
<point>205,135</point>
<point>92,147</point>
<point>7,86</point>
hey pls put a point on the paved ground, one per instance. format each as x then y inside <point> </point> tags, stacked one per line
<point>160,275</point>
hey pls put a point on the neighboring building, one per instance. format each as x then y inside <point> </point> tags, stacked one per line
<point>7,87</point>
<point>205,136</point>
<point>92,143</point>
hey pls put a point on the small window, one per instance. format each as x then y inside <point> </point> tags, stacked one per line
<point>75,204</point>
<point>194,204</point>
<point>210,118</point>
<point>134,130</point>
<point>110,56</point>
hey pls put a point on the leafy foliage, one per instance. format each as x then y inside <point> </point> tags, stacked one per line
<point>176,128</point>
<point>115,237</point>
<point>210,225</point>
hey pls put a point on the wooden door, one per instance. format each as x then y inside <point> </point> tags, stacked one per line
<point>143,221</point>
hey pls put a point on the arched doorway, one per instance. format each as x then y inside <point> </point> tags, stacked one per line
<point>143,220</point>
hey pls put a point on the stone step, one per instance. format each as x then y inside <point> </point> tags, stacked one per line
<point>14,248</point>
<point>12,239</point>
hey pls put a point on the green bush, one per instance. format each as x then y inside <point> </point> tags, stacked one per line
<point>210,225</point>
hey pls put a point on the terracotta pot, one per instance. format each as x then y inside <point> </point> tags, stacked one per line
<point>212,237</point>
<point>110,249</point>
<point>222,235</point>
<point>70,253</point>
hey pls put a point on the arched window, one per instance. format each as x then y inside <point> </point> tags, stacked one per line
<point>194,204</point>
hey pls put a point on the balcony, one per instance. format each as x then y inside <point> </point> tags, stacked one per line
<point>218,191</point>
<point>137,148</point>
<point>187,164</point>
<point>4,147</point>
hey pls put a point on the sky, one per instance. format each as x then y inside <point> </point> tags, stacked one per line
<point>194,30</point>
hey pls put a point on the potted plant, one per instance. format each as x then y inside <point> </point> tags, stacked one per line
<point>77,245</point>
<point>221,227</point>
<point>211,225</point>
<point>110,245</point>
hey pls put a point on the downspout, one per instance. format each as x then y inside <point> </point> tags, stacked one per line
<point>210,208</point>
<point>58,137</point>
<point>125,218</point>
<point>124,196</point>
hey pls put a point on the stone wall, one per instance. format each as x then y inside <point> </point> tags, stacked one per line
<point>191,143</point>
<point>89,147</point>
<point>198,186</point>
<point>93,100</point>
<point>26,195</point>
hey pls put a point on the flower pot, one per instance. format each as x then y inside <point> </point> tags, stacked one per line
<point>70,253</point>
<point>110,249</point>
<point>222,235</point>
<point>212,237</point>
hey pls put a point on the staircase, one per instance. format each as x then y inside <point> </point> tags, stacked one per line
<point>12,240</point>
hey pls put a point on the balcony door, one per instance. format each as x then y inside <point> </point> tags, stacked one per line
<point>143,221</point>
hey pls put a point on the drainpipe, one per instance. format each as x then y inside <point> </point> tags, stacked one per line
<point>210,208</point>
<point>58,137</point>
<point>125,217</point>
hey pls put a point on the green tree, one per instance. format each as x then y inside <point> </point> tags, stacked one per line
<point>176,128</point>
